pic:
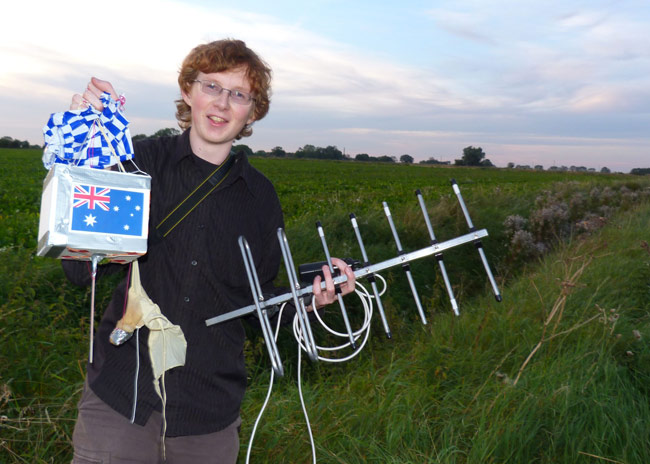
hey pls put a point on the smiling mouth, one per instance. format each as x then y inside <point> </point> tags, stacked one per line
<point>216,119</point>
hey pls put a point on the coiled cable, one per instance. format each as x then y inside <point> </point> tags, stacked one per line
<point>364,331</point>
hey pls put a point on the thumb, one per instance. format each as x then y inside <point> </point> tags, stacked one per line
<point>104,86</point>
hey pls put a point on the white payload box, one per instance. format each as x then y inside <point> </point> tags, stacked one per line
<point>86,212</point>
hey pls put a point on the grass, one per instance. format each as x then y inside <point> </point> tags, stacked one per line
<point>467,390</point>
<point>558,372</point>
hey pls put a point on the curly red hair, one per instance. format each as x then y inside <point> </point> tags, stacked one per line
<point>219,56</point>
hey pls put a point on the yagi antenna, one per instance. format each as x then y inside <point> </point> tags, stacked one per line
<point>262,306</point>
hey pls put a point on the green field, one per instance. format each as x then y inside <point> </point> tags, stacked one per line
<point>558,372</point>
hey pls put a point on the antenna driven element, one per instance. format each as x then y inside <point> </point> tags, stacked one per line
<point>344,312</point>
<point>477,243</point>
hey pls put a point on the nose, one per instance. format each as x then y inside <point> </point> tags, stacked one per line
<point>223,99</point>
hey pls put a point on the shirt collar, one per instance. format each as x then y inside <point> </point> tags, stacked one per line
<point>241,168</point>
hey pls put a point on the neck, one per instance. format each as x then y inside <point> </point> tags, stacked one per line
<point>215,153</point>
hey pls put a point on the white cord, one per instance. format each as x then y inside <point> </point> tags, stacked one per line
<point>304,409</point>
<point>366,300</point>
<point>137,371</point>
<point>268,394</point>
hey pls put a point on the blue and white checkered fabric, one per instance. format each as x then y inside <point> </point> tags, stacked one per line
<point>75,137</point>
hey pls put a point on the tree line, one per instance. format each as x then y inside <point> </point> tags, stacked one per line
<point>472,156</point>
<point>9,142</point>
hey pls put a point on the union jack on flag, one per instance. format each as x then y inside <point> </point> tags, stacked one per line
<point>91,196</point>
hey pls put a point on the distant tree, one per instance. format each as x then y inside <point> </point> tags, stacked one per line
<point>261,153</point>
<point>407,159</point>
<point>640,171</point>
<point>472,156</point>
<point>9,142</point>
<point>278,152</point>
<point>486,163</point>
<point>137,137</point>
<point>510,165</point>
<point>330,152</point>
<point>539,167</point>
<point>169,131</point>
<point>308,151</point>
<point>432,160</point>
<point>241,148</point>
<point>386,159</point>
<point>362,157</point>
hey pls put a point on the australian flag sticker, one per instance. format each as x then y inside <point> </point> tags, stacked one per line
<point>107,210</point>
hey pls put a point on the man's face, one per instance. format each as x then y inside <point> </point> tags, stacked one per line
<point>217,119</point>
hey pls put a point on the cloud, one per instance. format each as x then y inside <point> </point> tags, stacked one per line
<point>469,76</point>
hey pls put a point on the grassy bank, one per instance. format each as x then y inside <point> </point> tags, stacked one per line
<point>558,372</point>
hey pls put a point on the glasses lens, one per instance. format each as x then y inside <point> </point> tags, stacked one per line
<point>240,97</point>
<point>236,96</point>
<point>211,88</point>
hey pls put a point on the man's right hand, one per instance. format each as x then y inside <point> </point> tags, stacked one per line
<point>91,95</point>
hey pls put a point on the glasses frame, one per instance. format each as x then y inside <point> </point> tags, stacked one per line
<point>217,90</point>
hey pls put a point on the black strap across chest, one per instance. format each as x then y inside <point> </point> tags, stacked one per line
<point>195,197</point>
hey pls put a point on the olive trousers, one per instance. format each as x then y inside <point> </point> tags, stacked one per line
<point>103,436</point>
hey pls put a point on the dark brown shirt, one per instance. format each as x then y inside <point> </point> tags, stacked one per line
<point>194,273</point>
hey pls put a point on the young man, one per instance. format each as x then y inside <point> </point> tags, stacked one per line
<point>193,273</point>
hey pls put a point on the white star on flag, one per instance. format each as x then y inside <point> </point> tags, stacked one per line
<point>90,220</point>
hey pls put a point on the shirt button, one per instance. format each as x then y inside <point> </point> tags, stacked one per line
<point>187,299</point>
<point>194,263</point>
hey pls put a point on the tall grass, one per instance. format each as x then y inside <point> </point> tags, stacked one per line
<point>558,372</point>
<point>458,390</point>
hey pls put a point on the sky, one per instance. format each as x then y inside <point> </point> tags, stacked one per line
<point>532,82</point>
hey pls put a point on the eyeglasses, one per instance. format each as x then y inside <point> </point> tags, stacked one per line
<point>236,96</point>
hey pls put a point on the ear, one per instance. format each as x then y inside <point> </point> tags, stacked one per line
<point>186,98</point>
<point>251,118</point>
